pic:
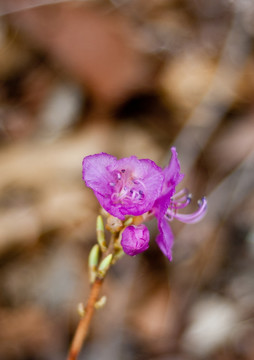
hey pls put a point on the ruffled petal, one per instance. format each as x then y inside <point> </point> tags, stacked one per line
<point>172,177</point>
<point>96,174</point>
<point>153,179</point>
<point>165,239</point>
<point>135,239</point>
<point>162,203</point>
<point>106,203</point>
<point>172,172</point>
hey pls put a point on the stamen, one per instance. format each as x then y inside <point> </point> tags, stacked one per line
<point>123,193</point>
<point>138,182</point>
<point>178,201</point>
<point>183,202</point>
<point>184,192</point>
<point>194,217</point>
<point>133,194</point>
<point>126,190</point>
<point>169,216</point>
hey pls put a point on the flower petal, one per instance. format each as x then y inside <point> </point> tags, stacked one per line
<point>98,177</point>
<point>172,177</point>
<point>135,239</point>
<point>106,203</point>
<point>172,172</point>
<point>96,174</point>
<point>153,179</point>
<point>165,239</point>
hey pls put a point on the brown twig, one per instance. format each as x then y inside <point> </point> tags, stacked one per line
<point>83,326</point>
<point>84,323</point>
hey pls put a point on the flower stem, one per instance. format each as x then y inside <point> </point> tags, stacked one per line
<point>84,323</point>
<point>83,326</point>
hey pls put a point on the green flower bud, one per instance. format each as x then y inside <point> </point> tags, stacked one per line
<point>129,221</point>
<point>93,261</point>
<point>114,224</point>
<point>81,309</point>
<point>104,266</point>
<point>101,302</point>
<point>100,233</point>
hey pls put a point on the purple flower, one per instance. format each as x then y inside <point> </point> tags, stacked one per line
<point>127,186</point>
<point>135,239</point>
<point>135,187</point>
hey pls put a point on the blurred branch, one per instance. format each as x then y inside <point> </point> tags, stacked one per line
<point>219,97</point>
<point>84,323</point>
<point>233,190</point>
<point>11,6</point>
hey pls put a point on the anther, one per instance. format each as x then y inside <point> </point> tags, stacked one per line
<point>141,194</point>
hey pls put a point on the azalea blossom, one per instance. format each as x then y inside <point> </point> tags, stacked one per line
<point>133,187</point>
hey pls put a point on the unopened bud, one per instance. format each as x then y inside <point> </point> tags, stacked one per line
<point>100,303</point>
<point>93,261</point>
<point>81,309</point>
<point>104,266</point>
<point>93,258</point>
<point>100,233</point>
<point>129,221</point>
<point>114,224</point>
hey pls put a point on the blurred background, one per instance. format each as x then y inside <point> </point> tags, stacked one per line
<point>128,78</point>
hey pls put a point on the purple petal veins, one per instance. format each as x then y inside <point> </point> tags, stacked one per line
<point>135,239</point>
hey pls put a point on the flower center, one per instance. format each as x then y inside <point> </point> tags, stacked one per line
<point>126,189</point>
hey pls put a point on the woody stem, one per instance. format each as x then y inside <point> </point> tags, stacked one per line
<point>84,323</point>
